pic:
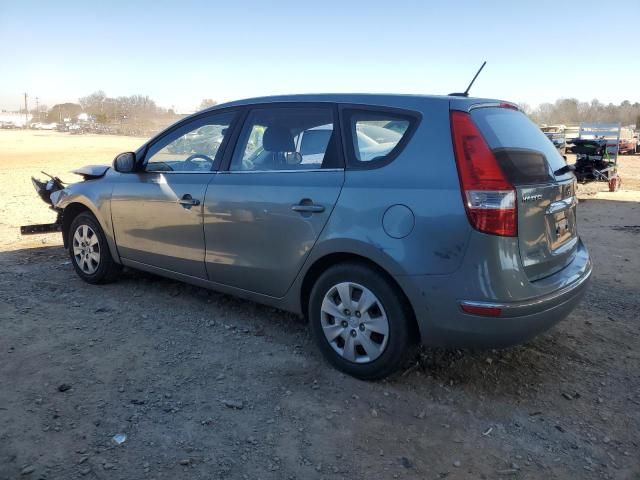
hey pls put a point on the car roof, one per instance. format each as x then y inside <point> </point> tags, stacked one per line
<point>384,99</point>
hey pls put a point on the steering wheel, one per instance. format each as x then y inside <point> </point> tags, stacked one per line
<point>192,159</point>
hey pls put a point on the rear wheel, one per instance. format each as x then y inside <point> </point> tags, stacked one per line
<point>359,321</point>
<point>89,250</point>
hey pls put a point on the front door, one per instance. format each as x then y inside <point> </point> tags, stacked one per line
<point>265,212</point>
<point>157,212</point>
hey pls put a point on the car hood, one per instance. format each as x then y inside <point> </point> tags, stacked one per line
<point>89,172</point>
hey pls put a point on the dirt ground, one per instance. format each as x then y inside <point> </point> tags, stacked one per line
<point>206,386</point>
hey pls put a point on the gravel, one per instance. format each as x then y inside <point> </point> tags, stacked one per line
<point>238,390</point>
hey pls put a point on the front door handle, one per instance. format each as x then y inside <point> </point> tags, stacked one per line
<point>188,201</point>
<point>307,208</point>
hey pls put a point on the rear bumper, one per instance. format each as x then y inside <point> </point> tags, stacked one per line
<point>443,323</point>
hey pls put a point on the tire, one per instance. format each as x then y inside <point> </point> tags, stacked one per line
<point>89,251</point>
<point>362,282</point>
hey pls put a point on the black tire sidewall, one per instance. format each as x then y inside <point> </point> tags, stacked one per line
<point>392,301</point>
<point>102,273</point>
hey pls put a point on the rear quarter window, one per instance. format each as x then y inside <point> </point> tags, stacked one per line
<point>375,137</point>
<point>525,153</point>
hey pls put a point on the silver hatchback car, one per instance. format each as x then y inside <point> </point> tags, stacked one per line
<point>386,220</point>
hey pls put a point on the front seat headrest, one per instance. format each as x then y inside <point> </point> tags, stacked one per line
<point>278,139</point>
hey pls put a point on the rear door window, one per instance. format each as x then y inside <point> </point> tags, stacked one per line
<point>374,138</point>
<point>525,153</point>
<point>288,138</point>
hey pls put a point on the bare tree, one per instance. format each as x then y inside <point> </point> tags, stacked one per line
<point>206,103</point>
<point>571,111</point>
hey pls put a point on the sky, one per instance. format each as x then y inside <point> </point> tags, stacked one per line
<point>179,52</point>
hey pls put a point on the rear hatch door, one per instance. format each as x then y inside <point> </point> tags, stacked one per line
<point>546,201</point>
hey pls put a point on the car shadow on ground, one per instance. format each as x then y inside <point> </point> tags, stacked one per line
<point>492,372</point>
<point>169,363</point>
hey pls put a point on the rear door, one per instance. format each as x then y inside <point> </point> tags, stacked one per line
<point>264,213</point>
<point>546,201</point>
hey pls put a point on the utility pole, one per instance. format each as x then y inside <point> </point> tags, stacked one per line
<point>37,108</point>
<point>26,111</point>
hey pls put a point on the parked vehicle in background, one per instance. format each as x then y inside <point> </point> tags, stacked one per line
<point>558,140</point>
<point>556,134</point>
<point>75,129</point>
<point>206,139</point>
<point>43,126</point>
<point>385,220</point>
<point>628,141</point>
<point>7,125</point>
<point>627,146</point>
<point>571,133</point>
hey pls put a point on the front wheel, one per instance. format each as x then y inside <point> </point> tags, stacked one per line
<point>89,251</point>
<point>359,321</point>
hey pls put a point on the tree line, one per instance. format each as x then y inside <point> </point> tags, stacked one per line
<point>572,111</point>
<point>105,109</point>
<point>142,109</point>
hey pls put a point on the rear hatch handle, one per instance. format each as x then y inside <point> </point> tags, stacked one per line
<point>561,205</point>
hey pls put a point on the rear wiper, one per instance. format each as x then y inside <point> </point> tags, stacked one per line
<point>565,169</point>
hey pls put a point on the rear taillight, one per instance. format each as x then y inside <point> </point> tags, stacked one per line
<point>489,198</point>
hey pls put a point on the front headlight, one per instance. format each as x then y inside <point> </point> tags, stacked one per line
<point>56,196</point>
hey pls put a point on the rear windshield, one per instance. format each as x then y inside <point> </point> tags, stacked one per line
<point>523,150</point>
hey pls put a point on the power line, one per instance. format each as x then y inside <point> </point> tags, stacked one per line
<point>26,110</point>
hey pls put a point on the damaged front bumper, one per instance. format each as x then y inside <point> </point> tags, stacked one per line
<point>52,192</point>
<point>42,227</point>
<point>47,192</point>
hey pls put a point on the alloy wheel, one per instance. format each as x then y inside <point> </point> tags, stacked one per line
<point>86,249</point>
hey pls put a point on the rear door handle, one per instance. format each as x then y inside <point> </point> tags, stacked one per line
<point>307,208</point>
<point>188,201</point>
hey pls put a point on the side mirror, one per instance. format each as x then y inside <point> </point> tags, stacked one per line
<point>125,162</point>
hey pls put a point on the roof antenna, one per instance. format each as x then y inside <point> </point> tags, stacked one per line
<point>466,92</point>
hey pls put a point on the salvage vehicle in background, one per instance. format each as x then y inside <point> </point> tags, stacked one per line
<point>556,134</point>
<point>571,133</point>
<point>43,126</point>
<point>454,227</point>
<point>628,141</point>
<point>558,140</point>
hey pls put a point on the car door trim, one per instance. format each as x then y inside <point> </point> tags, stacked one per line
<point>244,172</point>
<point>181,172</point>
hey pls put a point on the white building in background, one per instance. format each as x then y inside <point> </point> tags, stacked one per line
<point>18,119</point>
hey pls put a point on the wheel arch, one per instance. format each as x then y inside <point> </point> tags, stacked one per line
<point>77,206</point>
<point>69,214</point>
<point>323,263</point>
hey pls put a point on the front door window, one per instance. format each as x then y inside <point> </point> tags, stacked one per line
<point>194,147</point>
